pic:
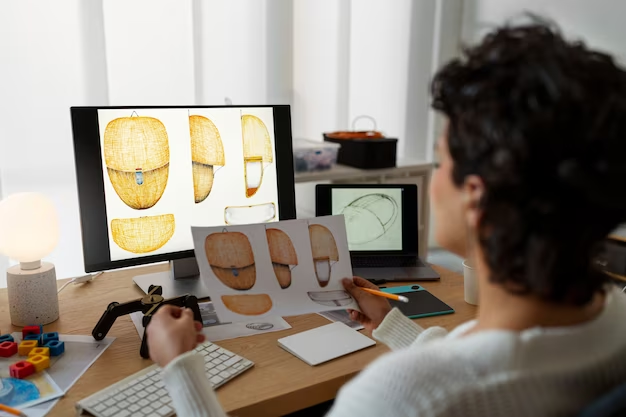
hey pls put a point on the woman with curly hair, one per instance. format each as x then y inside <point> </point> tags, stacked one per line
<point>532,178</point>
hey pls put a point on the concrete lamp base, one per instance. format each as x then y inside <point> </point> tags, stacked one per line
<point>33,298</point>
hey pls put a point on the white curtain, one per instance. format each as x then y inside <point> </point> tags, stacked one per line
<point>331,60</point>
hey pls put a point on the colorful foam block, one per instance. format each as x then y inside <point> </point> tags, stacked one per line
<point>43,351</point>
<point>30,330</point>
<point>56,347</point>
<point>41,362</point>
<point>26,346</point>
<point>32,337</point>
<point>21,369</point>
<point>6,338</point>
<point>48,337</point>
<point>8,349</point>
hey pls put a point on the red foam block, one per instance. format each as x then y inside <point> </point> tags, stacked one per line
<point>8,349</point>
<point>30,330</point>
<point>21,369</point>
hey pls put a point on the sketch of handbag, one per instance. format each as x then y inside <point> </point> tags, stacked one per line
<point>256,213</point>
<point>330,298</point>
<point>137,155</point>
<point>143,234</point>
<point>207,152</point>
<point>369,217</point>
<point>231,259</point>
<point>283,255</point>
<point>248,304</point>
<point>324,251</point>
<point>257,152</point>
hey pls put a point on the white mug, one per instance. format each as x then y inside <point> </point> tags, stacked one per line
<point>470,282</point>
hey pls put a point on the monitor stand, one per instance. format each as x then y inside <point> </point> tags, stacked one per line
<point>183,277</point>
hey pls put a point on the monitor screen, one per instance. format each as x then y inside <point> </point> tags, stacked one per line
<point>147,174</point>
<point>373,217</point>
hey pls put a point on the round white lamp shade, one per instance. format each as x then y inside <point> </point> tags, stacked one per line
<point>29,231</point>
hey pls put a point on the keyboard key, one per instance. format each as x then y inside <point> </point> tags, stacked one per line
<point>216,379</point>
<point>110,402</point>
<point>134,407</point>
<point>143,403</point>
<point>224,358</point>
<point>139,414</point>
<point>161,393</point>
<point>159,384</point>
<point>111,411</point>
<point>220,367</point>
<point>232,361</point>
<point>165,410</point>
<point>151,389</point>
<point>224,374</point>
<point>152,373</point>
<point>122,413</point>
<point>214,355</point>
<point>152,397</point>
<point>213,348</point>
<point>100,407</point>
<point>123,404</point>
<point>133,399</point>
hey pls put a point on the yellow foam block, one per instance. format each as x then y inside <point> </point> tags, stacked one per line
<point>26,346</point>
<point>41,362</point>
<point>43,351</point>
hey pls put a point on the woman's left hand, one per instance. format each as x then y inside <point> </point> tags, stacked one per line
<point>172,332</point>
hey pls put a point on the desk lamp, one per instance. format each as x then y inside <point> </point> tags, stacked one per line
<point>29,231</point>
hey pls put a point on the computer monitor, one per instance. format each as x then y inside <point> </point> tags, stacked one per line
<point>146,174</point>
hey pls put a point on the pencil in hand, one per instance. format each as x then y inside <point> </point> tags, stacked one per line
<point>385,294</point>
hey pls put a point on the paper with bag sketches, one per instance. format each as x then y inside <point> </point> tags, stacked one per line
<point>214,330</point>
<point>275,269</point>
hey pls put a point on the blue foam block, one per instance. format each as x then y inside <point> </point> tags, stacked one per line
<point>31,337</point>
<point>48,337</point>
<point>6,338</point>
<point>56,347</point>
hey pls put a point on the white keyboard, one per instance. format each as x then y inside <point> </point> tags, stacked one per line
<point>144,395</point>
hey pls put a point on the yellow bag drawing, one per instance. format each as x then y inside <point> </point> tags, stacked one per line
<point>257,151</point>
<point>248,304</point>
<point>283,255</point>
<point>137,155</point>
<point>143,234</point>
<point>324,251</point>
<point>231,259</point>
<point>207,151</point>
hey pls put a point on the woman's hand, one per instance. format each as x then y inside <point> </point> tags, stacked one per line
<point>172,332</point>
<point>373,308</point>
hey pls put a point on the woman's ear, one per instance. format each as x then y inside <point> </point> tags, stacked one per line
<point>473,190</point>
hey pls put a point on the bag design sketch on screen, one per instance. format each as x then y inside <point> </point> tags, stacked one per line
<point>369,217</point>
<point>231,259</point>
<point>256,213</point>
<point>143,234</point>
<point>207,152</point>
<point>324,251</point>
<point>283,255</point>
<point>137,156</point>
<point>257,152</point>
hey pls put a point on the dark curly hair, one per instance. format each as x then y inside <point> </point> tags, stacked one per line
<point>542,121</point>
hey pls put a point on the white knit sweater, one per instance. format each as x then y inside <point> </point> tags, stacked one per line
<point>537,372</point>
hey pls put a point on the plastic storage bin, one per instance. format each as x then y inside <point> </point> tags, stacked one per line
<point>310,156</point>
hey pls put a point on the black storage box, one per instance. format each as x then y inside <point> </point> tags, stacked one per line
<point>366,153</point>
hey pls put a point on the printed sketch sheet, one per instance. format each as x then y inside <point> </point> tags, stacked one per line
<point>275,269</point>
<point>214,330</point>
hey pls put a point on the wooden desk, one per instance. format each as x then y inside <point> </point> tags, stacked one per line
<point>278,384</point>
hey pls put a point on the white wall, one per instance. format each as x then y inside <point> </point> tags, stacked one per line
<point>52,58</point>
<point>599,22</point>
<point>149,52</point>
<point>244,51</point>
